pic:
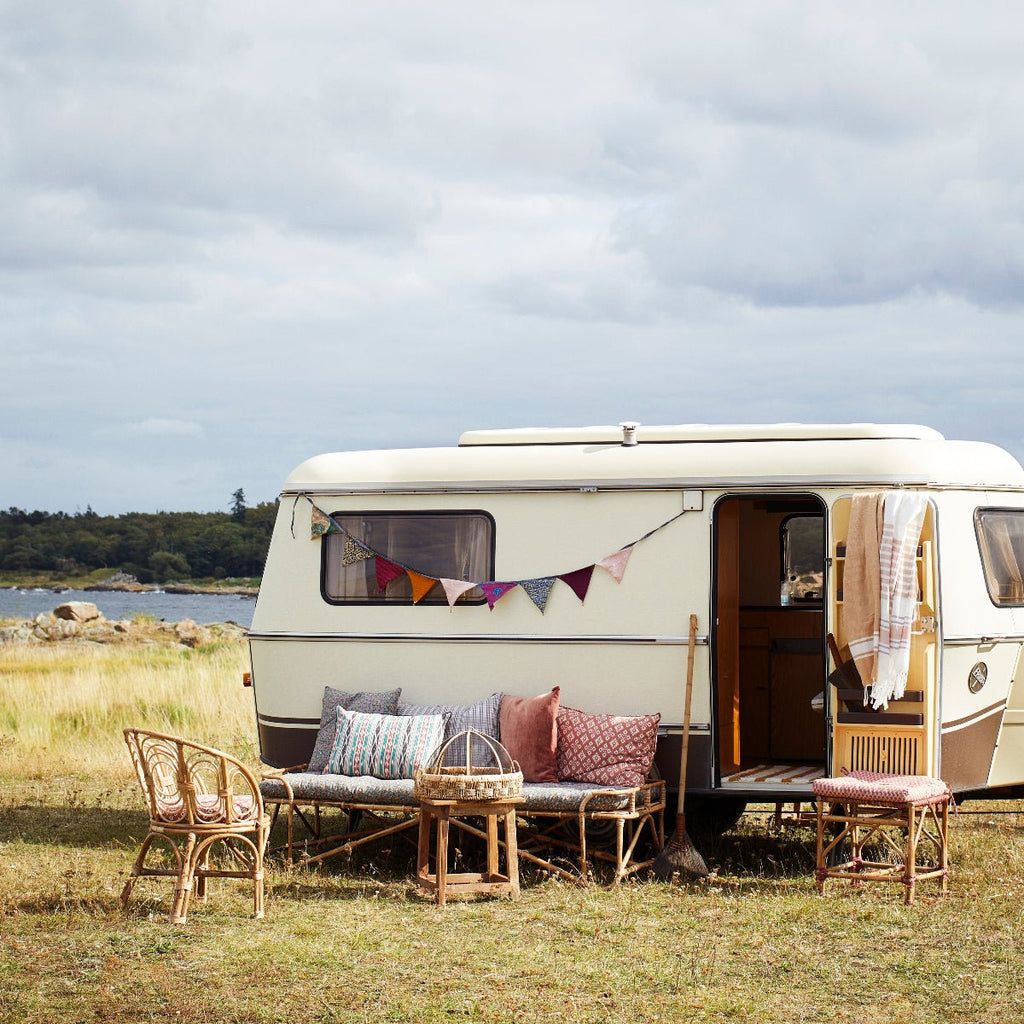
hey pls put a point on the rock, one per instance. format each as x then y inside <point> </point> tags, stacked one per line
<point>191,635</point>
<point>63,629</point>
<point>77,611</point>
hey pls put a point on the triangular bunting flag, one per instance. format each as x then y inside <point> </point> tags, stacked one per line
<point>539,589</point>
<point>616,564</point>
<point>454,589</point>
<point>386,572</point>
<point>493,591</point>
<point>354,551</point>
<point>421,585</point>
<point>320,523</point>
<point>578,581</point>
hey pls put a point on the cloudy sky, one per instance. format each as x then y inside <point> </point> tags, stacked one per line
<point>236,234</point>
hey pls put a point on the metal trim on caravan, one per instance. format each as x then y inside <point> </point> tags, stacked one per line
<point>559,499</point>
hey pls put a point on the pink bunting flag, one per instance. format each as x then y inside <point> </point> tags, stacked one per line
<point>578,581</point>
<point>615,564</point>
<point>494,591</point>
<point>386,572</point>
<point>454,589</point>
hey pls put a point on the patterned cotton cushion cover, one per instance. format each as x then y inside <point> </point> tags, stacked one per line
<point>481,716</point>
<point>380,703</point>
<point>606,750</point>
<point>384,746</point>
<point>610,750</point>
<point>879,787</point>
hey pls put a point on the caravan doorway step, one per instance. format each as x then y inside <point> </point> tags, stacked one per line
<point>772,776</point>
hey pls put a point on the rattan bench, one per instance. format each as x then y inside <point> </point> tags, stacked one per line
<point>378,808</point>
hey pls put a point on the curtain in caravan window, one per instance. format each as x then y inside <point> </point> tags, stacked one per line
<point>1001,539</point>
<point>456,545</point>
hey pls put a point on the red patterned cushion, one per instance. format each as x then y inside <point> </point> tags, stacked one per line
<point>880,787</point>
<point>610,750</point>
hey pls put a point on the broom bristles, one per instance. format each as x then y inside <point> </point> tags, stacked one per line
<point>679,856</point>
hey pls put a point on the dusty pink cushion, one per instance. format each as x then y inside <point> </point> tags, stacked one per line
<point>880,787</point>
<point>609,750</point>
<point>529,734</point>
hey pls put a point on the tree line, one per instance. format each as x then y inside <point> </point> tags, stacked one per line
<point>155,547</point>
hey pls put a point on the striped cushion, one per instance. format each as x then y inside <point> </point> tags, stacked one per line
<point>384,746</point>
<point>482,716</point>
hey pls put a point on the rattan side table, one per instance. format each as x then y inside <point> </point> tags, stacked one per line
<point>444,885</point>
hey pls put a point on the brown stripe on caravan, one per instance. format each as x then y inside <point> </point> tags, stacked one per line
<point>283,747</point>
<point>967,750</point>
<point>973,716</point>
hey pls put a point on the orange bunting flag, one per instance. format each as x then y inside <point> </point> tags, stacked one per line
<point>454,589</point>
<point>421,585</point>
<point>616,564</point>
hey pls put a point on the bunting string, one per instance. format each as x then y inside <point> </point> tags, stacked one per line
<point>538,589</point>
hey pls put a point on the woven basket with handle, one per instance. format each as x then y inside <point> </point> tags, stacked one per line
<point>469,782</point>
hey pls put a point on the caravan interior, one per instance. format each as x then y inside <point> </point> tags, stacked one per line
<point>769,641</point>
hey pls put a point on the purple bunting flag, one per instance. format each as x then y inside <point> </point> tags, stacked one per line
<point>494,591</point>
<point>578,581</point>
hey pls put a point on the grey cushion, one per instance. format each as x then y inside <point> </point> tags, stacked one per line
<point>482,716</point>
<point>362,789</point>
<point>567,796</point>
<point>384,702</point>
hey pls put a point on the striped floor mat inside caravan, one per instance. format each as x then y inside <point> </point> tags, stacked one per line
<point>771,776</point>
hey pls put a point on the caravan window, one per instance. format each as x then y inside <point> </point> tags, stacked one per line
<point>802,539</point>
<point>1001,539</point>
<point>453,545</point>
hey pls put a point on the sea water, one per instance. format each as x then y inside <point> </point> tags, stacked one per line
<point>118,604</point>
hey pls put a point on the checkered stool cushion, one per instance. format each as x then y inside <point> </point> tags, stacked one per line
<point>882,788</point>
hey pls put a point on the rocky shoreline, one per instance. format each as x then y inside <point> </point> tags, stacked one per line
<point>82,622</point>
<point>126,583</point>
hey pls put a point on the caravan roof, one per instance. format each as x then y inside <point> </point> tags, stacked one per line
<point>691,456</point>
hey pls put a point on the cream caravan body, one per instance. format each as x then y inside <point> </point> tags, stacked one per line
<point>743,506</point>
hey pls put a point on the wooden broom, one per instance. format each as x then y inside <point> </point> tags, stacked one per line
<point>680,855</point>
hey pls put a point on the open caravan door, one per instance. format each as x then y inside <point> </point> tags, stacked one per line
<point>890,727</point>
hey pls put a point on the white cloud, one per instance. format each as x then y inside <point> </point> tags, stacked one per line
<point>368,225</point>
<point>156,427</point>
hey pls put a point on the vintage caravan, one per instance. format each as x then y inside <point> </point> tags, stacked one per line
<point>523,559</point>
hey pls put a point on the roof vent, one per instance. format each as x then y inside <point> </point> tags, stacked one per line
<point>629,429</point>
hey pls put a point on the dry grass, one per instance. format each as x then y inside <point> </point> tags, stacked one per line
<point>350,943</point>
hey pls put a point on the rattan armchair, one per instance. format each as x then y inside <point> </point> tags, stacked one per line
<point>196,797</point>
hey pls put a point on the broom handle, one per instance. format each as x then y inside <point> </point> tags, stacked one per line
<point>691,647</point>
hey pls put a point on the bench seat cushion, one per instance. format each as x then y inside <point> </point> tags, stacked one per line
<point>567,796</point>
<point>314,787</point>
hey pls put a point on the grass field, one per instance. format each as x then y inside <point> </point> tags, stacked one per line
<point>351,943</point>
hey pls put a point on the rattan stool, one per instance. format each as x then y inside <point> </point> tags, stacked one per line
<point>868,806</point>
<point>465,883</point>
